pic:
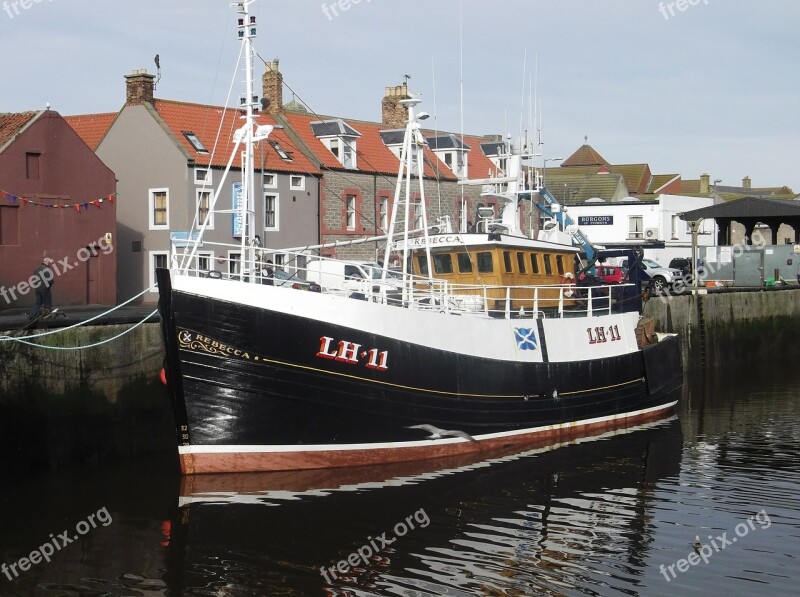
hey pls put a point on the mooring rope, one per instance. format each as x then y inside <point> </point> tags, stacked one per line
<point>26,339</point>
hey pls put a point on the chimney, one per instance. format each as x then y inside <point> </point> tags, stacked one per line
<point>705,184</point>
<point>139,87</point>
<point>746,183</point>
<point>272,87</point>
<point>395,114</point>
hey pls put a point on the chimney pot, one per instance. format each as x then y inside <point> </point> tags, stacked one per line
<point>139,87</point>
<point>395,114</point>
<point>705,184</point>
<point>272,87</point>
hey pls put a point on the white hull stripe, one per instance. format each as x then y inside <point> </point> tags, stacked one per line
<point>410,444</point>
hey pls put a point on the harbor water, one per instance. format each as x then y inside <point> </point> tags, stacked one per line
<point>707,501</point>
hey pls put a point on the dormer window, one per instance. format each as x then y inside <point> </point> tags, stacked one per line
<point>341,140</point>
<point>452,151</point>
<point>497,153</point>
<point>394,142</point>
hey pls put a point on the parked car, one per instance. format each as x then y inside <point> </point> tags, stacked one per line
<point>661,277</point>
<point>683,264</point>
<point>612,274</point>
<point>282,278</point>
<point>348,275</point>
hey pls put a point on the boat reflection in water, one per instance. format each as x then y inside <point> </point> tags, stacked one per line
<point>542,520</point>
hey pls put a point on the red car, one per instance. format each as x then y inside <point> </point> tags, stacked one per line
<point>612,274</point>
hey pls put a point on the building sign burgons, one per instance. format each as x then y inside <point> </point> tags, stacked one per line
<point>595,220</point>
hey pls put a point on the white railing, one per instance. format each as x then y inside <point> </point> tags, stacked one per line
<point>289,270</point>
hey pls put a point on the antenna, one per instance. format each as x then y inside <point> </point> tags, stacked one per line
<point>157,60</point>
<point>461,53</point>
<point>522,103</point>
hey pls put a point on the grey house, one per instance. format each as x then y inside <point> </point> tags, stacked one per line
<point>169,164</point>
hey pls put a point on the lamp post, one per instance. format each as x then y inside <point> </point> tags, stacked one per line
<point>544,168</point>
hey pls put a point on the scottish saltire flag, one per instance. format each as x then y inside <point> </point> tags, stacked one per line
<point>525,338</point>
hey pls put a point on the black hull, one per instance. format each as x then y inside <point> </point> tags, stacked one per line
<point>245,376</point>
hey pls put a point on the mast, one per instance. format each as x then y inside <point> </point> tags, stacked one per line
<point>248,105</point>
<point>411,156</point>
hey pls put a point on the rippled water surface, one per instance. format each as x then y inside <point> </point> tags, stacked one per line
<point>614,515</point>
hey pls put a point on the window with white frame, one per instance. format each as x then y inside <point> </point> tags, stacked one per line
<point>297,183</point>
<point>202,175</point>
<point>234,263</point>
<point>350,209</point>
<point>635,227</point>
<point>456,161</point>
<point>271,211</point>
<point>158,260</point>
<point>417,213</point>
<point>204,209</point>
<point>383,213</point>
<point>340,139</point>
<point>270,180</point>
<point>675,227</point>
<point>159,208</point>
<point>205,261</point>
<point>349,152</point>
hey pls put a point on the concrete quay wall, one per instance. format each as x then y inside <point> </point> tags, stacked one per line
<point>79,405</point>
<point>730,328</point>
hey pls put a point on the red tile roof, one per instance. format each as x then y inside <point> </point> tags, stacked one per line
<point>91,127</point>
<point>11,124</point>
<point>373,156</point>
<point>204,121</point>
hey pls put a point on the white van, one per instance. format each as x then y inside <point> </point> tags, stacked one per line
<point>348,276</point>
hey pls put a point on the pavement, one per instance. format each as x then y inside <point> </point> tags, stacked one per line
<point>15,319</point>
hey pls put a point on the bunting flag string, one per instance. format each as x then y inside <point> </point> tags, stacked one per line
<point>81,205</point>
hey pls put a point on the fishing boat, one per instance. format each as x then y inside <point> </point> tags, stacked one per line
<point>479,340</point>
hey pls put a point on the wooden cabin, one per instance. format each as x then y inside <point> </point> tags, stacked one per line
<point>525,271</point>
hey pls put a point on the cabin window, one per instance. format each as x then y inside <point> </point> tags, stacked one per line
<point>560,264</point>
<point>464,263</point>
<point>422,260</point>
<point>507,261</point>
<point>485,265</point>
<point>548,268</point>
<point>443,263</point>
<point>534,263</point>
<point>521,262</point>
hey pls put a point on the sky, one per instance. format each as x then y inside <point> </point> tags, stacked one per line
<point>688,86</point>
